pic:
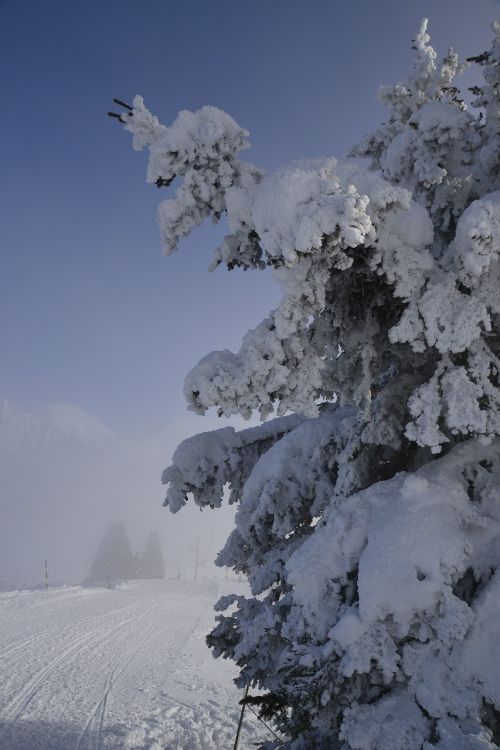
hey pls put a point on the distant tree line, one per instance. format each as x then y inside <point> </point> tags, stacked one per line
<point>115,561</point>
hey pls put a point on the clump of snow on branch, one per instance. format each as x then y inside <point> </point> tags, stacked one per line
<point>201,148</point>
<point>204,464</point>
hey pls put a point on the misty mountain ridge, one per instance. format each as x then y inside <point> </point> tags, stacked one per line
<point>66,477</point>
<point>53,424</point>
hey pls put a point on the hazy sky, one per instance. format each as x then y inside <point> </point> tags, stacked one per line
<point>91,313</point>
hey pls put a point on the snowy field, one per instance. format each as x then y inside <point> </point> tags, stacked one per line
<point>85,669</point>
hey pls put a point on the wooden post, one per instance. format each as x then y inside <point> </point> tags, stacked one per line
<point>238,732</point>
<point>46,576</point>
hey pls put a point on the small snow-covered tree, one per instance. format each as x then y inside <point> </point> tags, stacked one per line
<point>113,558</point>
<point>368,520</point>
<point>151,561</point>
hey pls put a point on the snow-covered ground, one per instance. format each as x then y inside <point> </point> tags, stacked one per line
<point>124,668</point>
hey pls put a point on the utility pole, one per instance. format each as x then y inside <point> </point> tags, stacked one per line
<point>46,576</point>
<point>196,549</point>
<point>107,572</point>
<point>196,554</point>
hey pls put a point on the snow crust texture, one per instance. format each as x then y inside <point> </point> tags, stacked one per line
<point>368,508</point>
<point>126,669</point>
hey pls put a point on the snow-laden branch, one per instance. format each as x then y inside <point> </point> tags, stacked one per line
<point>203,465</point>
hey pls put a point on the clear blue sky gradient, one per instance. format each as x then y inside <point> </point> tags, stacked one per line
<point>91,313</point>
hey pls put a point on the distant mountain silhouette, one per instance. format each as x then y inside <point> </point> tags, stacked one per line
<point>20,429</point>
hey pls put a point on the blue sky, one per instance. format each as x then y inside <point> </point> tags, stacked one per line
<point>91,313</point>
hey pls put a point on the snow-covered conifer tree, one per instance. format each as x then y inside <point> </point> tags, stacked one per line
<point>151,561</point>
<point>368,519</point>
<point>113,560</point>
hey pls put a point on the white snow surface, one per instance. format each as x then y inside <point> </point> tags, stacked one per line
<point>92,668</point>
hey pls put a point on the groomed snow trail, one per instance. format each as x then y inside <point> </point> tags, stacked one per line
<point>90,669</point>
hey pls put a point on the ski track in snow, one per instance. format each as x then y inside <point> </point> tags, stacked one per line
<point>92,669</point>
